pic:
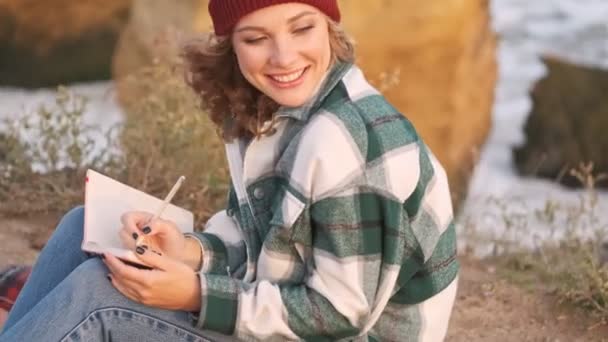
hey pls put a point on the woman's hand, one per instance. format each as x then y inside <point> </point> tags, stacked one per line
<point>171,285</point>
<point>160,236</point>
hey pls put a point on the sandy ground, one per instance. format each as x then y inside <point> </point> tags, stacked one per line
<point>488,308</point>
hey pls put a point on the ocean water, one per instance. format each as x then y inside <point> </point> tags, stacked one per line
<point>501,204</point>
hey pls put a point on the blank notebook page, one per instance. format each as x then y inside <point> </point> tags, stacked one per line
<point>106,200</point>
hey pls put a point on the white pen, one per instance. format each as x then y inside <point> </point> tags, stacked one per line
<point>162,207</point>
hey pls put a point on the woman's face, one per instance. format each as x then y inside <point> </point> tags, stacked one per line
<point>283,51</point>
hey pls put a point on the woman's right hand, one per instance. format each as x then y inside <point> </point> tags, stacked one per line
<point>161,236</point>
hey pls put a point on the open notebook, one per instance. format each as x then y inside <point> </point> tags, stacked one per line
<point>106,200</point>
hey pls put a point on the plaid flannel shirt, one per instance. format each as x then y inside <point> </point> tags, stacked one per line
<point>339,227</point>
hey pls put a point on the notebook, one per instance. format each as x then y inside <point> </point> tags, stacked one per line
<point>106,200</point>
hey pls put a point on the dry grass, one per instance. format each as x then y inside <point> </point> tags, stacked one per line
<point>164,135</point>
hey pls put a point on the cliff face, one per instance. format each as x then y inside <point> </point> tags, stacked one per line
<point>154,30</point>
<point>436,61</point>
<point>45,43</point>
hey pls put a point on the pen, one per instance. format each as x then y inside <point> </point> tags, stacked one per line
<point>162,207</point>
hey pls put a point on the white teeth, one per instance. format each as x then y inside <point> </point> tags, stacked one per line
<point>288,78</point>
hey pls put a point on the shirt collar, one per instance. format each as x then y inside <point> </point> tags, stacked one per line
<point>331,79</point>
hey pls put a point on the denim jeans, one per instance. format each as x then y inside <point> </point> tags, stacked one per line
<point>69,298</point>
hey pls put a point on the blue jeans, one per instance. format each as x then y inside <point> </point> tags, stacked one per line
<point>68,298</point>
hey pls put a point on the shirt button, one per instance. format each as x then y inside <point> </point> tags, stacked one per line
<point>230,212</point>
<point>258,193</point>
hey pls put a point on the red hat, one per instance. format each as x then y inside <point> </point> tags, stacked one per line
<point>226,13</point>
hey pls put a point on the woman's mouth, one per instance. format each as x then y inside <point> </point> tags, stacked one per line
<point>288,80</point>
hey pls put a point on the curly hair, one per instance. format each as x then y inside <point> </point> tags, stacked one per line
<point>236,107</point>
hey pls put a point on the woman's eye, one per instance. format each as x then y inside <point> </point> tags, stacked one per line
<point>304,29</point>
<point>253,41</point>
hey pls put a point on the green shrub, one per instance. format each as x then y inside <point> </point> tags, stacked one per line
<point>43,156</point>
<point>164,135</point>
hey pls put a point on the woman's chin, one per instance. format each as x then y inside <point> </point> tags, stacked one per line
<point>290,100</point>
<point>290,104</point>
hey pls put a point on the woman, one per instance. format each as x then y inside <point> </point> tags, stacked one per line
<point>339,221</point>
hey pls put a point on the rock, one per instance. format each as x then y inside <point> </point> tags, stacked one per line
<point>46,43</point>
<point>154,33</point>
<point>23,237</point>
<point>567,125</point>
<point>155,30</point>
<point>443,55</point>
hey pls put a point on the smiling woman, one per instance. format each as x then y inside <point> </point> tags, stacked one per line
<point>339,221</point>
<point>250,89</point>
<point>285,59</point>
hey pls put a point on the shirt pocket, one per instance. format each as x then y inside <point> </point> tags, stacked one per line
<point>288,209</point>
<point>285,253</point>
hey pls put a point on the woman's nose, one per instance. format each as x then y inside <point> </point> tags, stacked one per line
<point>284,54</point>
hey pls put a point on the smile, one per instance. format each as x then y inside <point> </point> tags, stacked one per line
<point>290,79</point>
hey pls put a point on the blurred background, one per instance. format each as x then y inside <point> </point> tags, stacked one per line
<point>511,95</point>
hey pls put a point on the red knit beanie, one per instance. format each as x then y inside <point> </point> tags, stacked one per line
<point>226,13</point>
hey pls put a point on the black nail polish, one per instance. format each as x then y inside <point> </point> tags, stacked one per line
<point>109,278</point>
<point>135,236</point>
<point>140,250</point>
<point>146,230</point>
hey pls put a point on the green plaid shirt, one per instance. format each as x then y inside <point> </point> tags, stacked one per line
<point>339,227</point>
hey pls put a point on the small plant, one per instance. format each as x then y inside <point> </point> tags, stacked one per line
<point>566,256</point>
<point>389,80</point>
<point>44,155</point>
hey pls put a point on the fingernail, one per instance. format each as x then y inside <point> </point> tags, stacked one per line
<point>135,236</point>
<point>140,250</point>
<point>147,230</point>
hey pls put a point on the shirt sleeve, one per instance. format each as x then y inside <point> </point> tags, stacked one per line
<point>222,244</point>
